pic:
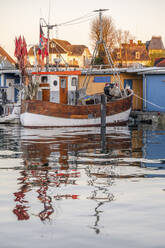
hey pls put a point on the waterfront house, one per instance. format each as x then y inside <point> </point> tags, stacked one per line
<point>153,89</point>
<point>63,53</point>
<point>128,77</point>
<point>9,76</point>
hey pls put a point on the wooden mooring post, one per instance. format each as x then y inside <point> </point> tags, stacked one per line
<point>103,123</point>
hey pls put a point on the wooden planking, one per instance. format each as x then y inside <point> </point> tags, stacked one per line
<point>44,85</point>
<point>46,95</point>
<point>63,91</point>
<point>74,112</point>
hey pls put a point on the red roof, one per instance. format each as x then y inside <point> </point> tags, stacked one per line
<point>160,62</point>
<point>4,54</point>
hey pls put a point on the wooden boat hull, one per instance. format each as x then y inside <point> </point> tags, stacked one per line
<point>36,113</point>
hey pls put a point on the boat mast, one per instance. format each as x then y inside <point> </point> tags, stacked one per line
<point>49,27</point>
<point>101,41</point>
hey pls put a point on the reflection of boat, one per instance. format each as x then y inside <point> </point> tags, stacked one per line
<point>53,159</point>
<point>57,98</point>
<point>63,146</point>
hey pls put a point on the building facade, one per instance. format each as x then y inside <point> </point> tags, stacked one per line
<point>9,77</point>
<point>131,54</point>
<point>62,53</point>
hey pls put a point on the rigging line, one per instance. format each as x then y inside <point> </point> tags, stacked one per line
<point>61,56</point>
<point>77,22</point>
<point>76,19</point>
<point>149,102</point>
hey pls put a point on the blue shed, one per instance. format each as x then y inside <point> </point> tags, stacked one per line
<point>9,81</point>
<point>154,90</point>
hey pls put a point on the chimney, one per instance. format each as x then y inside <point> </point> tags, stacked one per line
<point>139,42</point>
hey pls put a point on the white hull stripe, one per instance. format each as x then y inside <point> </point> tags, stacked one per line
<point>36,120</point>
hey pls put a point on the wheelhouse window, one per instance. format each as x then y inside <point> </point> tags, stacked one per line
<point>118,55</point>
<point>55,82</point>
<point>44,79</point>
<point>74,81</point>
<point>63,83</point>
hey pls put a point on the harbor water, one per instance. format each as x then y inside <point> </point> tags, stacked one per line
<point>69,187</point>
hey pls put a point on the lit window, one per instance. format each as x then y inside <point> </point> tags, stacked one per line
<point>137,55</point>
<point>119,55</point>
<point>74,81</point>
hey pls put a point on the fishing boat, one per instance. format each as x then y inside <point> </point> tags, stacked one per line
<point>56,104</point>
<point>55,98</point>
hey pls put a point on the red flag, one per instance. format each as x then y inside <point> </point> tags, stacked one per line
<point>43,44</point>
<point>19,47</point>
<point>24,47</point>
<point>16,45</point>
<point>21,53</point>
<point>41,40</point>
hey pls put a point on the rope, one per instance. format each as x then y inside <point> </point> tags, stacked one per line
<point>149,102</point>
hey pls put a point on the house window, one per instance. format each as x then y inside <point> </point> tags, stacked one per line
<point>137,55</point>
<point>53,45</point>
<point>128,83</point>
<point>74,81</point>
<point>118,55</point>
<point>44,79</point>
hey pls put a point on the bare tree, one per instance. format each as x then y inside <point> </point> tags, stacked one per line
<point>123,37</point>
<point>119,37</point>
<point>122,43</point>
<point>108,31</point>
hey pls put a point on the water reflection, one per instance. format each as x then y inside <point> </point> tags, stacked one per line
<point>64,176</point>
<point>54,158</point>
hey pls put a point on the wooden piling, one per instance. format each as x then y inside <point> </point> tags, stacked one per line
<point>103,124</point>
<point>103,111</point>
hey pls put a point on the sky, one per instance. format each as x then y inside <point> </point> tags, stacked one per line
<point>143,18</point>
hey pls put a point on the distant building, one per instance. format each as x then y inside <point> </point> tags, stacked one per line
<point>155,49</point>
<point>155,45</point>
<point>6,60</point>
<point>131,54</point>
<point>62,52</point>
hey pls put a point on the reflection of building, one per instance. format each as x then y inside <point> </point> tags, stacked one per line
<point>154,149</point>
<point>137,143</point>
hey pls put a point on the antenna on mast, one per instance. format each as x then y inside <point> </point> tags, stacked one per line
<point>49,14</point>
<point>48,26</point>
<point>100,21</point>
